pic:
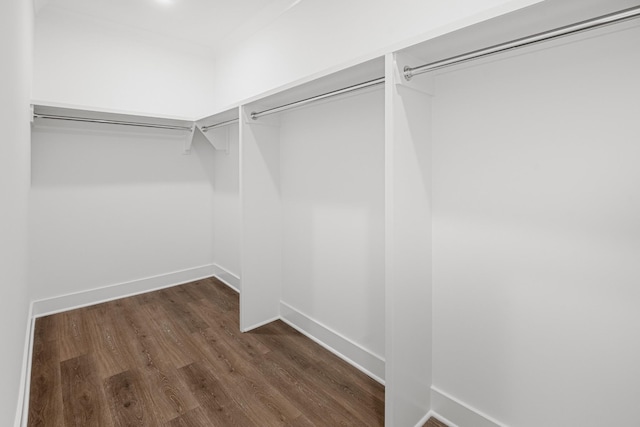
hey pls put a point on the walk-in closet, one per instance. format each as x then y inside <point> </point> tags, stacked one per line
<point>427,217</point>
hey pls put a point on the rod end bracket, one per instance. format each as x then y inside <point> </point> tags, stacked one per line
<point>407,73</point>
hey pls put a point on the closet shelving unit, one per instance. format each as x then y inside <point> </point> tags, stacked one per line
<point>406,171</point>
<point>52,115</point>
<point>409,174</point>
<point>216,128</point>
<point>271,165</point>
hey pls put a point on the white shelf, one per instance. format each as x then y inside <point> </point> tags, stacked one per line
<point>44,105</point>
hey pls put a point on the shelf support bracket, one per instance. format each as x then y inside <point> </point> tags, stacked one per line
<point>189,141</point>
<point>221,144</point>
<point>423,84</point>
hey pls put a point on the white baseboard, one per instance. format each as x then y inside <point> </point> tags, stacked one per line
<point>343,347</point>
<point>22,410</point>
<point>228,278</point>
<point>75,300</point>
<point>455,413</point>
<point>424,419</point>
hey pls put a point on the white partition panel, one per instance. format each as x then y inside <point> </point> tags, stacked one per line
<point>408,246</point>
<point>226,205</point>
<point>332,184</point>
<point>261,212</point>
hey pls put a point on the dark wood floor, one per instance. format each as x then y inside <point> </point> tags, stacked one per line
<point>176,357</point>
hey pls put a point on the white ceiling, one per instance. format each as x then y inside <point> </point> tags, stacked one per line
<point>203,22</point>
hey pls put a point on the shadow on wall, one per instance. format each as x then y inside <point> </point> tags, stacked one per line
<point>332,183</point>
<point>97,155</point>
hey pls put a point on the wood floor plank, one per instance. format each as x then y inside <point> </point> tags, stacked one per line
<point>45,328</point>
<point>219,406</point>
<point>106,341</point>
<point>145,298</point>
<point>225,328</point>
<point>163,329</point>
<point>301,421</point>
<point>82,394</point>
<point>129,400</point>
<point>223,357</point>
<point>174,302</point>
<point>262,403</point>
<point>185,293</point>
<point>215,292</point>
<point>272,336</point>
<point>72,335</point>
<point>45,399</point>
<point>194,418</point>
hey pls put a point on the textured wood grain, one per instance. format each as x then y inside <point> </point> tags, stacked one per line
<point>108,349</point>
<point>45,402</point>
<point>193,418</point>
<point>218,404</point>
<point>176,357</point>
<point>72,339</point>
<point>321,408</point>
<point>129,400</point>
<point>82,395</point>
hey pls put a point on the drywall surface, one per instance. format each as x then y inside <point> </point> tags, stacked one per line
<point>226,202</point>
<point>112,205</point>
<point>16,21</point>
<point>89,62</point>
<point>315,35</point>
<point>536,238</point>
<point>332,184</point>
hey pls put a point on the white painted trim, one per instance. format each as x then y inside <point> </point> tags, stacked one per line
<point>343,347</point>
<point>257,325</point>
<point>227,277</point>
<point>424,419</point>
<point>455,413</point>
<point>98,109</point>
<point>86,298</point>
<point>22,409</point>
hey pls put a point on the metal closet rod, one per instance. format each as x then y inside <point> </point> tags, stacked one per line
<point>110,122</point>
<point>219,125</point>
<point>590,24</point>
<point>378,81</point>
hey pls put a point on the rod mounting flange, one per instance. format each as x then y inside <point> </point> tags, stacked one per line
<point>408,72</point>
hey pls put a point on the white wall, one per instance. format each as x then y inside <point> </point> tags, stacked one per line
<point>226,202</point>
<point>85,61</point>
<point>536,236</point>
<point>332,186</point>
<point>110,206</point>
<point>16,21</point>
<point>319,34</point>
